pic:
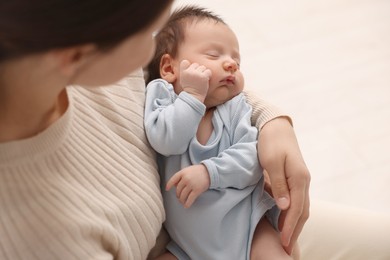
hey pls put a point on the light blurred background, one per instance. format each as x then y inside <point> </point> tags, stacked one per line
<point>326,63</point>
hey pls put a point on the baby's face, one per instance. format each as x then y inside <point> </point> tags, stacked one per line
<point>215,46</point>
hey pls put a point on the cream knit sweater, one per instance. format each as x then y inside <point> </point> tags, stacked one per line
<point>87,187</point>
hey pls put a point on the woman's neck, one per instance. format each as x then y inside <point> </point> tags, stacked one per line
<point>23,120</point>
<point>27,105</point>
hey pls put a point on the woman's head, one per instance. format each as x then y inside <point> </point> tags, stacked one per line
<point>28,27</point>
<point>88,42</point>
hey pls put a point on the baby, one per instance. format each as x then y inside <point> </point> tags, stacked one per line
<point>198,121</point>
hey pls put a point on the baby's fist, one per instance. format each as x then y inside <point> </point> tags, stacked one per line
<point>194,79</point>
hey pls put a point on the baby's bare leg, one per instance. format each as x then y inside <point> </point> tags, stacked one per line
<point>166,256</point>
<point>266,243</point>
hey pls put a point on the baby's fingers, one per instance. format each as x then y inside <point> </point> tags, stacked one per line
<point>173,181</point>
<point>208,73</point>
<point>190,200</point>
<point>184,64</point>
<point>183,197</point>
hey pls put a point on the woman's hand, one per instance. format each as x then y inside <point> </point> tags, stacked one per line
<point>287,177</point>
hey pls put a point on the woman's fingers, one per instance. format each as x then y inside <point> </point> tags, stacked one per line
<point>279,186</point>
<point>299,226</point>
<point>298,212</point>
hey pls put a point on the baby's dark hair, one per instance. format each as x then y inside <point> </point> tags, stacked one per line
<point>172,34</point>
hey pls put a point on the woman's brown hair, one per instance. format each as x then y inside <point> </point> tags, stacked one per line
<point>32,26</point>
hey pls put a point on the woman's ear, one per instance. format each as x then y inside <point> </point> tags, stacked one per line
<point>167,68</point>
<point>69,60</point>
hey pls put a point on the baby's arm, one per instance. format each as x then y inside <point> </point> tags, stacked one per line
<point>237,166</point>
<point>229,170</point>
<point>170,122</point>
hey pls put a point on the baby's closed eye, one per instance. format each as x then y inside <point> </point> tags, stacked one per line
<point>212,54</point>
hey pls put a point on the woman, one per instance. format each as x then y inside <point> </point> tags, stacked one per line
<point>77,177</point>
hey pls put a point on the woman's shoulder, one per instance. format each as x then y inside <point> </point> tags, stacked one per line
<point>127,91</point>
<point>119,104</point>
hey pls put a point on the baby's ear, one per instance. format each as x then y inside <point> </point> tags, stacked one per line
<point>167,68</point>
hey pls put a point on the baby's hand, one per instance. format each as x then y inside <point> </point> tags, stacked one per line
<point>190,182</point>
<point>194,79</point>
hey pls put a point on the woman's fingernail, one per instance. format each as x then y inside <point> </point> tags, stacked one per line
<point>282,202</point>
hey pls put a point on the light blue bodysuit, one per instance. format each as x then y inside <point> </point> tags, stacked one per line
<point>221,222</point>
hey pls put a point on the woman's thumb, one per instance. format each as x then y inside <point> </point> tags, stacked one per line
<point>279,186</point>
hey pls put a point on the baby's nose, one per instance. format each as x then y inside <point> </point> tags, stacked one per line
<point>230,65</point>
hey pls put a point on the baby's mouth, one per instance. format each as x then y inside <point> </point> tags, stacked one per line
<point>229,80</point>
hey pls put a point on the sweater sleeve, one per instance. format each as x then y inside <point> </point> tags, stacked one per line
<point>262,111</point>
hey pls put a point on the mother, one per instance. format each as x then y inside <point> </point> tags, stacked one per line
<point>77,177</point>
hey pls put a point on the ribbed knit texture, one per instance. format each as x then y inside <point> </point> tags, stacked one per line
<point>262,112</point>
<point>85,188</point>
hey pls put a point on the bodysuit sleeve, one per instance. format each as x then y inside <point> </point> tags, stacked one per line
<point>237,166</point>
<point>171,120</point>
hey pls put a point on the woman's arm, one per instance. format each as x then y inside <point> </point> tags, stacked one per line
<point>281,158</point>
